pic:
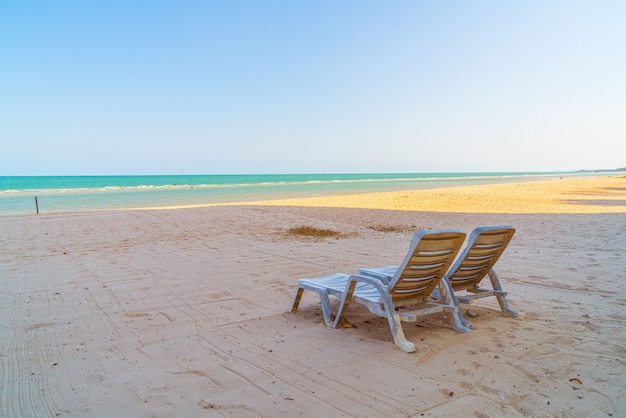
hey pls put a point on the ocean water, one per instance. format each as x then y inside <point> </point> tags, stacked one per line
<point>53,194</point>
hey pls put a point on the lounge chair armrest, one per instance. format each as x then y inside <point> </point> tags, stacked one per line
<point>379,277</point>
<point>382,277</point>
<point>379,284</point>
<point>385,274</point>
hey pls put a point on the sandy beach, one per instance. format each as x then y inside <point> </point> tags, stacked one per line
<point>185,312</point>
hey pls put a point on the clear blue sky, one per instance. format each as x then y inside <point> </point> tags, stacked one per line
<point>167,87</point>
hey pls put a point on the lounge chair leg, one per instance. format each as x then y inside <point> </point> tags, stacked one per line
<point>458,322</point>
<point>324,301</point>
<point>459,313</point>
<point>345,302</point>
<point>296,299</point>
<point>395,325</point>
<point>465,325</point>
<point>327,311</point>
<point>398,333</point>
<point>504,304</point>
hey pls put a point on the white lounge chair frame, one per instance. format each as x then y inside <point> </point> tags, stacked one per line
<point>429,257</point>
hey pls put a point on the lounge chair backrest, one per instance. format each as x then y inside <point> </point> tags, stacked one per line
<point>484,248</point>
<point>430,255</point>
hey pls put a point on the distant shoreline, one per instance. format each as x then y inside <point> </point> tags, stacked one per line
<point>81,194</point>
<point>595,194</point>
<point>614,170</point>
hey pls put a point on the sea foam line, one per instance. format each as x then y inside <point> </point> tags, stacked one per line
<point>147,187</point>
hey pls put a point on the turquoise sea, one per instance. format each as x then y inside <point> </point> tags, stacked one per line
<point>52,194</point>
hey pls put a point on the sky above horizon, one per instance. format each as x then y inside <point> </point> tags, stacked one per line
<point>207,87</point>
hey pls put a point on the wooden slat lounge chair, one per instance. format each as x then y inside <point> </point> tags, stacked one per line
<point>429,257</point>
<point>484,248</point>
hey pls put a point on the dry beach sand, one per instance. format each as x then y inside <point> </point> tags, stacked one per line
<point>184,313</point>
